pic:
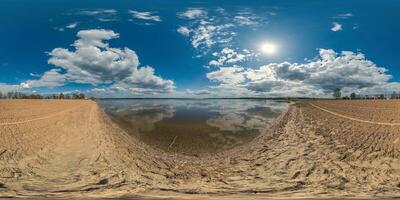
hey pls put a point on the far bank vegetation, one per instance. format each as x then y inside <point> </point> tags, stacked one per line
<point>20,95</point>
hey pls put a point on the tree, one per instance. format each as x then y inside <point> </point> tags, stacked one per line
<point>382,96</point>
<point>353,95</point>
<point>394,95</point>
<point>337,93</point>
<point>35,96</point>
<point>81,96</point>
<point>1,95</point>
<point>61,95</point>
<point>75,96</point>
<point>10,95</point>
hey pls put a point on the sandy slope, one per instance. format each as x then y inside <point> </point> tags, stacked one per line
<point>70,148</point>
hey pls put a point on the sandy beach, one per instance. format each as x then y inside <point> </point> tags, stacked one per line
<point>314,149</point>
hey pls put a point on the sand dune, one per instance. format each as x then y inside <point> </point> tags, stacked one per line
<point>71,149</point>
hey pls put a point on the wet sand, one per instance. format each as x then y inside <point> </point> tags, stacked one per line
<point>315,149</point>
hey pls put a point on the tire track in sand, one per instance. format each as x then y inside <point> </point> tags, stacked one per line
<point>36,119</point>
<point>354,119</point>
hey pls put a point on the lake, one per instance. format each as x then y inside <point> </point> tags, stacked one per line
<point>193,126</point>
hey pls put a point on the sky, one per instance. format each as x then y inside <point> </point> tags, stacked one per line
<point>176,48</point>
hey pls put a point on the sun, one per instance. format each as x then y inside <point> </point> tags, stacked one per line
<point>268,48</point>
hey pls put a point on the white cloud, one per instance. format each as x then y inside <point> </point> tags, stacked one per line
<point>230,56</point>
<point>4,88</point>
<point>145,15</point>
<point>383,88</point>
<point>336,27</point>
<point>347,70</point>
<point>72,25</point>
<point>246,18</point>
<point>50,79</point>
<point>144,80</point>
<point>343,16</point>
<point>94,62</point>
<point>216,28</point>
<point>193,13</point>
<point>69,26</point>
<point>103,15</point>
<point>206,35</point>
<point>98,12</point>
<point>34,75</point>
<point>103,19</point>
<point>98,90</point>
<point>198,92</point>
<point>220,10</point>
<point>203,31</point>
<point>184,30</point>
<point>228,75</point>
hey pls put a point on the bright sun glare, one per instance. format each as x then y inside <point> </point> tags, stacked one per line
<point>268,48</point>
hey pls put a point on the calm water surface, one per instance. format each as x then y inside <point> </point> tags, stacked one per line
<point>193,127</point>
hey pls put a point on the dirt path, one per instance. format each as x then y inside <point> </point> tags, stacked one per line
<point>35,119</point>
<point>64,166</point>
<point>354,119</point>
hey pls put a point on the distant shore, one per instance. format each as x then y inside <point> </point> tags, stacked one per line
<point>316,149</point>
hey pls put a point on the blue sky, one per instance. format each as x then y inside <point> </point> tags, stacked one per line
<point>200,48</point>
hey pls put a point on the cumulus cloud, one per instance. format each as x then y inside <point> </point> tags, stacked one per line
<point>94,62</point>
<point>383,88</point>
<point>347,70</point>
<point>330,71</point>
<point>50,79</point>
<point>227,75</point>
<point>149,16</point>
<point>145,81</point>
<point>336,27</point>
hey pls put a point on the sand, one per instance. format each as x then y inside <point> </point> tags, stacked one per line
<point>318,149</point>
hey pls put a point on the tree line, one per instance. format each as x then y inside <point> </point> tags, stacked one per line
<point>20,95</point>
<point>337,94</point>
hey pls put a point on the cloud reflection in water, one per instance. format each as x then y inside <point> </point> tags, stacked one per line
<point>193,127</point>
